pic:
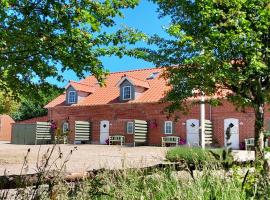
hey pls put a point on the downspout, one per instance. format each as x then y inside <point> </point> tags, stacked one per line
<point>202,120</point>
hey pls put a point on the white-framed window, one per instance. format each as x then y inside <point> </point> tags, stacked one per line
<point>130,128</point>
<point>126,92</point>
<point>72,97</point>
<point>65,127</point>
<point>168,127</point>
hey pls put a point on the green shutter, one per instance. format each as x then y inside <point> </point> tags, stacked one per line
<point>268,125</point>
<point>163,127</point>
<point>173,127</point>
<point>125,127</point>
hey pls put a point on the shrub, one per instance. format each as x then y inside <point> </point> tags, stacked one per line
<point>189,155</point>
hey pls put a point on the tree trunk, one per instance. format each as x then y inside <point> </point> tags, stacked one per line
<point>259,130</point>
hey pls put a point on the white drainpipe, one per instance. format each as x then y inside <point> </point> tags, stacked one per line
<point>202,120</point>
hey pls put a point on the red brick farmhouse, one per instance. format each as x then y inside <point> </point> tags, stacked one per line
<point>131,95</point>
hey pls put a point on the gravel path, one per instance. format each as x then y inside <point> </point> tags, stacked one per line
<point>83,158</point>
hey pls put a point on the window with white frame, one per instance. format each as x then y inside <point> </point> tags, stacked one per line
<point>168,129</point>
<point>72,97</point>
<point>126,92</point>
<point>130,127</point>
<point>65,127</point>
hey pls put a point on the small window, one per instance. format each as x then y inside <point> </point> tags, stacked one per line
<point>168,127</point>
<point>72,97</point>
<point>126,92</point>
<point>153,75</point>
<point>130,127</point>
<point>65,127</point>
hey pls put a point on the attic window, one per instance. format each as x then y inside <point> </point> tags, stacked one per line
<point>126,93</point>
<point>71,97</point>
<point>153,75</point>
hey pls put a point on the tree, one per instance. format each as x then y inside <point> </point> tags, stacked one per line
<point>7,104</point>
<point>36,36</point>
<point>29,107</point>
<point>217,44</point>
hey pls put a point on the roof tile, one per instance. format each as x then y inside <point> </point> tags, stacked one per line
<point>109,94</point>
<point>81,87</point>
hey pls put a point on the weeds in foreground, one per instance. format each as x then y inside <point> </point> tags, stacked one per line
<point>206,181</point>
<point>159,184</point>
<point>49,173</point>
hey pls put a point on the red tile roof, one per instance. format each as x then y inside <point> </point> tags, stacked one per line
<point>134,81</point>
<point>109,94</point>
<point>81,87</point>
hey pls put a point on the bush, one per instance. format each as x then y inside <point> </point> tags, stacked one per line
<point>188,154</point>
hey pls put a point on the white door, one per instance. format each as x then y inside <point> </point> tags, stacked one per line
<point>233,125</point>
<point>104,131</point>
<point>192,130</point>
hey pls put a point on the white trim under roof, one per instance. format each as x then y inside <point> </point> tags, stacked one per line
<point>122,80</point>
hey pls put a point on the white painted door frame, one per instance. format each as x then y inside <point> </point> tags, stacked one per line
<point>104,131</point>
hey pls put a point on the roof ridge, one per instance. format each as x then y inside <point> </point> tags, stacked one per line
<point>134,70</point>
<point>81,83</point>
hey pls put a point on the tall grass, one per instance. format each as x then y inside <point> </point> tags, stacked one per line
<point>155,183</point>
<point>160,185</point>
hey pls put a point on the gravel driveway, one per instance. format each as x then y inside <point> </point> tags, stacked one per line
<point>84,157</point>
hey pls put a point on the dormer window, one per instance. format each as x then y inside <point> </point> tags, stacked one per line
<point>153,75</point>
<point>126,92</point>
<point>71,97</point>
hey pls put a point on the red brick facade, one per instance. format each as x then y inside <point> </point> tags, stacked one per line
<point>119,114</point>
<point>146,90</point>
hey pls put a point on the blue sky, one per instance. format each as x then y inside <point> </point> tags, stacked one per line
<point>143,17</point>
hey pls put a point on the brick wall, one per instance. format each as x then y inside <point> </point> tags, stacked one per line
<point>5,127</point>
<point>119,114</point>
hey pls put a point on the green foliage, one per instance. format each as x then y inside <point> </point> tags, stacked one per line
<point>209,158</point>
<point>216,45</point>
<point>189,155</point>
<point>37,36</point>
<point>224,157</point>
<point>256,183</point>
<point>31,107</point>
<point>7,104</point>
<point>161,185</point>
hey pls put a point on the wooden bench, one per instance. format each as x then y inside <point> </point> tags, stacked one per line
<point>250,142</point>
<point>170,140</point>
<point>60,139</point>
<point>117,138</point>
